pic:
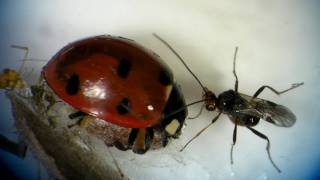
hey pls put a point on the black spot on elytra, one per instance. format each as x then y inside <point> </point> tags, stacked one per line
<point>165,78</point>
<point>124,106</point>
<point>124,68</point>
<point>73,85</point>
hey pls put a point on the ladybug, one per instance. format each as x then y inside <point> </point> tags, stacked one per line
<point>119,81</point>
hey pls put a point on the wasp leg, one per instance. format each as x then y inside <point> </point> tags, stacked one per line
<point>141,139</point>
<point>19,149</point>
<point>268,146</point>
<point>293,86</point>
<point>201,131</point>
<point>234,140</point>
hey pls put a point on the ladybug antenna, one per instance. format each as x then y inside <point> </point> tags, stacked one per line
<point>180,58</point>
<point>183,108</point>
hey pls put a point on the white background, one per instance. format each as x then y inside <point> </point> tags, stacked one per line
<point>278,45</point>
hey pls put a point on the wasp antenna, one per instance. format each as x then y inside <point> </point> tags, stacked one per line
<point>199,113</point>
<point>180,58</point>
<point>183,108</point>
<point>234,69</point>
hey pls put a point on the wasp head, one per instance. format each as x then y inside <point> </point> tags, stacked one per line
<point>210,99</point>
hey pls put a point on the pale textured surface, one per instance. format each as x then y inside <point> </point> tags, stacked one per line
<point>278,45</point>
<point>67,153</point>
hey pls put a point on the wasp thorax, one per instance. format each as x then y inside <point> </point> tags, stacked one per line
<point>227,100</point>
<point>210,100</point>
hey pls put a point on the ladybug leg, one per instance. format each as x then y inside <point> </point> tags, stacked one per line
<point>139,145</point>
<point>141,139</point>
<point>19,149</point>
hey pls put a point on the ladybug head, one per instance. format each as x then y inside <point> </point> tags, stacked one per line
<point>210,99</point>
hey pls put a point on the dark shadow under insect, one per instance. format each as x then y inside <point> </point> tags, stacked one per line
<point>141,139</point>
<point>242,109</point>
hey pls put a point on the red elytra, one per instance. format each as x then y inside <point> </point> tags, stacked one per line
<point>111,78</point>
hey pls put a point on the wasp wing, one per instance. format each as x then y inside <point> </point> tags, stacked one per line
<point>267,110</point>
